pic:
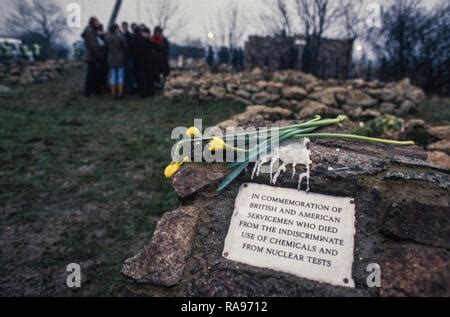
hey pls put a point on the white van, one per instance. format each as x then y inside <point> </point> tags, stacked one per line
<point>15,44</point>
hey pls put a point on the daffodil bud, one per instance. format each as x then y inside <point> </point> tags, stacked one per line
<point>193,132</point>
<point>216,144</point>
<point>174,167</point>
<point>171,169</point>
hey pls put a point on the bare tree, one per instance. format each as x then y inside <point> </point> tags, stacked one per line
<point>166,14</point>
<point>38,19</point>
<point>227,26</point>
<point>277,19</point>
<point>395,41</point>
<point>216,29</point>
<point>235,25</point>
<point>352,17</point>
<point>414,42</point>
<point>316,17</point>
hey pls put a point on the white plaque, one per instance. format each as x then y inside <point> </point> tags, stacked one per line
<point>305,234</point>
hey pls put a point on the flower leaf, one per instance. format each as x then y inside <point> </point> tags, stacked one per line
<point>232,176</point>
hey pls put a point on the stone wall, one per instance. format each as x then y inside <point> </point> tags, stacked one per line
<point>25,73</point>
<point>301,93</point>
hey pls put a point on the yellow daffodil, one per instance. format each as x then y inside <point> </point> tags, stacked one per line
<point>216,144</point>
<point>174,167</point>
<point>193,132</point>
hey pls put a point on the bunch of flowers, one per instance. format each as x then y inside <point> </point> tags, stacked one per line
<point>250,154</point>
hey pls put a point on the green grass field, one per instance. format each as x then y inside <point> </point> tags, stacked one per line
<point>81,180</point>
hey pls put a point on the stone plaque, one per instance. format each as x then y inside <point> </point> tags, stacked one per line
<point>305,234</point>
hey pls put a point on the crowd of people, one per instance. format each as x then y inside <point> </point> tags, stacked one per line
<point>127,59</point>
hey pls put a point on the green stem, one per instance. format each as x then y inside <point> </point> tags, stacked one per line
<point>352,137</point>
<point>316,121</point>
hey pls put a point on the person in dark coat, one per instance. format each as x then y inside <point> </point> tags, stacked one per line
<point>101,35</point>
<point>162,51</point>
<point>116,48</point>
<point>210,57</point>
<point>145,58</point>
<point>130,81</point>
<point>92,58</point>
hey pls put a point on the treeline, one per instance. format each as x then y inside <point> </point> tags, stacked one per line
<point>414,41</point>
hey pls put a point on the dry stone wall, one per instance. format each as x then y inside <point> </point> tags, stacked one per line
<point>301,93</point>
<point>25,73</point>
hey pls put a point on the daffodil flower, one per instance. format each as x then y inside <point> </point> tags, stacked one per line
<point>193,132</point>
<point>216,144</point>
<point>174,167</point>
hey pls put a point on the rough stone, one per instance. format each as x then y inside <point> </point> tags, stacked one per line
<point>385,94</point>
<point>387,108</point>
<point>425,224</point>
<point>439,159</point>
<point>440,132</point>
<point>412,270</point>
<point>357,98</point>
<point>414,94</point>
<point>274,88</point>
<point>327,96</point>
<point>296,93</point>
<point>217,92</point>
<point>163,260</point>
<point>310,108</point>
<point>261,98</point>
<point>244,94</point>
<point>193,178</point>
<point>228,124</point>
<point>406,107</point>
<point>231,87</point>
<point>261,84</point>
<point>251,88</point>
<point>442,146</point>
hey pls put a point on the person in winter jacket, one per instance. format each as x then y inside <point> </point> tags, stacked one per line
<point>93,57</point>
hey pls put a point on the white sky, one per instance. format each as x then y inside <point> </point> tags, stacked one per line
<point>199,14</point>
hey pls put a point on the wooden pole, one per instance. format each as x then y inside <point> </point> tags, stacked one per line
<point>115,12</point>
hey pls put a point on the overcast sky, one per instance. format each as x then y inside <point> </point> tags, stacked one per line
<point>199,14</point>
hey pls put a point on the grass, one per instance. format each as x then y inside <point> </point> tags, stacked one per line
<point>436,111</point>
<point>81,180</point>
